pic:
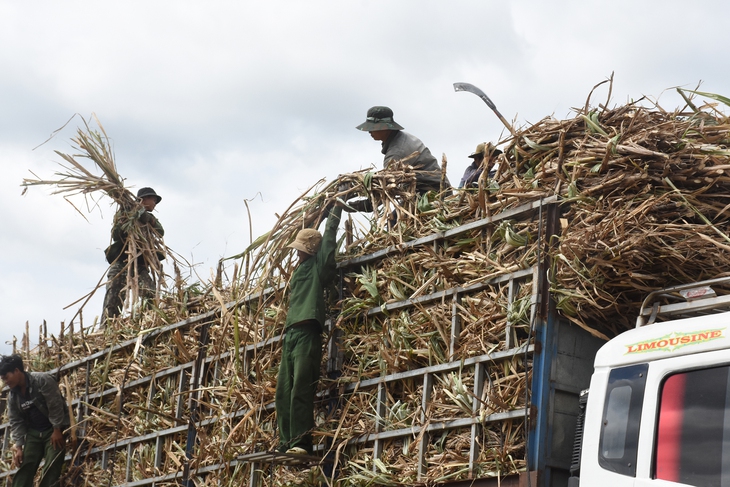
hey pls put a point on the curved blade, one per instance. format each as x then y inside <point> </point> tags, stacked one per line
<point>473,89</point>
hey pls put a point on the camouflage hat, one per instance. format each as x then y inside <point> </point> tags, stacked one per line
<point>308,240</point>
<point>379,118</point>
<point>485,147</point>
<point>148,192</point>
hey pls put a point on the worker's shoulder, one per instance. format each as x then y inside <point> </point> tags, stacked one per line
<point>43,377</point>
<point>405,138</point>
<point>403,144</point>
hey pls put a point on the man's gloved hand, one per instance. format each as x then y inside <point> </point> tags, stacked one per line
<point>147,217</point>
<point>361,205</point>
<point>347,191</point>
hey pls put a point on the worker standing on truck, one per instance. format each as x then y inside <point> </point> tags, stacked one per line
<point>116,253</point>
<point>38,416</point>
<point>484,156</point>
<point>398,145</point>
<point>302,347</point>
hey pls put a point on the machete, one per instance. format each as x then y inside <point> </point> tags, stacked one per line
<point>473,89</point>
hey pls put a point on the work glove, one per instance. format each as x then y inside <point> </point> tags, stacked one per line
<point>347,191</point>
<point>147,217</point>
<point>361,205</point>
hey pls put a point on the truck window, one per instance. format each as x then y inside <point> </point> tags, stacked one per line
<point>621,418</point>
<point>693,431</point>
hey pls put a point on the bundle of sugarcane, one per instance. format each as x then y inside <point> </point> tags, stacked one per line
<point>648,203</point>
<point>141,241</point>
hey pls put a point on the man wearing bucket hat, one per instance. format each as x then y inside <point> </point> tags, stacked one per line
<point>397,145</point>
<point>116,254</point>
<point>302,347</point>
<point>485,155</point>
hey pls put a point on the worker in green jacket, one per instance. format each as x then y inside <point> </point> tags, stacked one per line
<point>302,348</point>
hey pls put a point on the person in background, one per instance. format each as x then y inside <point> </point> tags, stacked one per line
<point>484,156</point>
<point>116,255</point>
<point>302,348</point>
<point>397,145</point>
<point>38,416</point>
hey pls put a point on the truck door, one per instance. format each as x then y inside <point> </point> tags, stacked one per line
<point>691,434</point>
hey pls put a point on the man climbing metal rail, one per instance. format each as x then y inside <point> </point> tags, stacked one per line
<point>302,348</point>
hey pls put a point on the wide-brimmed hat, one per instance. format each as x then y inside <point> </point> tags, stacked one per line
<point>148,192</point>
<point>485,148</point>
<point>379,118</point>
<point>307,240</point>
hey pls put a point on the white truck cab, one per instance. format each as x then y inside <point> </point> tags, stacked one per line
<point>658,410</point>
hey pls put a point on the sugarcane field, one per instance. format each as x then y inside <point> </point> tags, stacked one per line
<point>460,326</point>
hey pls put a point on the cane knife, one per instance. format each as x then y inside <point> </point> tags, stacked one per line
<point>473,89</point>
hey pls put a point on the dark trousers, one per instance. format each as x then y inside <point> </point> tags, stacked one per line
<point>38,447</point>
<point>296,385</point>
<point>116,287</point>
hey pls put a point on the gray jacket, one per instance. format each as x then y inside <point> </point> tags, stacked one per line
<point>428,171</point>
<point>45,394</point>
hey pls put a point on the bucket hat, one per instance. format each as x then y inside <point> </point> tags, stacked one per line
<point>148,192</point>
<point>307,240</point>
<point>379,118</point>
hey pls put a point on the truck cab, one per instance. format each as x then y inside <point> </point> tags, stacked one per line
<point>658,409</point>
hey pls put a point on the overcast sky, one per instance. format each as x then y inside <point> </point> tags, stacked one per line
<point>214,103</point>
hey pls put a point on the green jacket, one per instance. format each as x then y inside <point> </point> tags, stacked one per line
<point>306,287</point>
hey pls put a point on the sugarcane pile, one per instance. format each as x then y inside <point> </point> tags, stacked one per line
<point>648,204</point>
<point>644,205</point>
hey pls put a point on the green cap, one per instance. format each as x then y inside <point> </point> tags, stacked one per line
<point>379,118</point>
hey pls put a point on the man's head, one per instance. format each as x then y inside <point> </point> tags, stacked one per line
<point>11,370</point>
<point>307,242</point>
<point>485,149</point>
<point>379,123</point>
<point>148,198</point>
